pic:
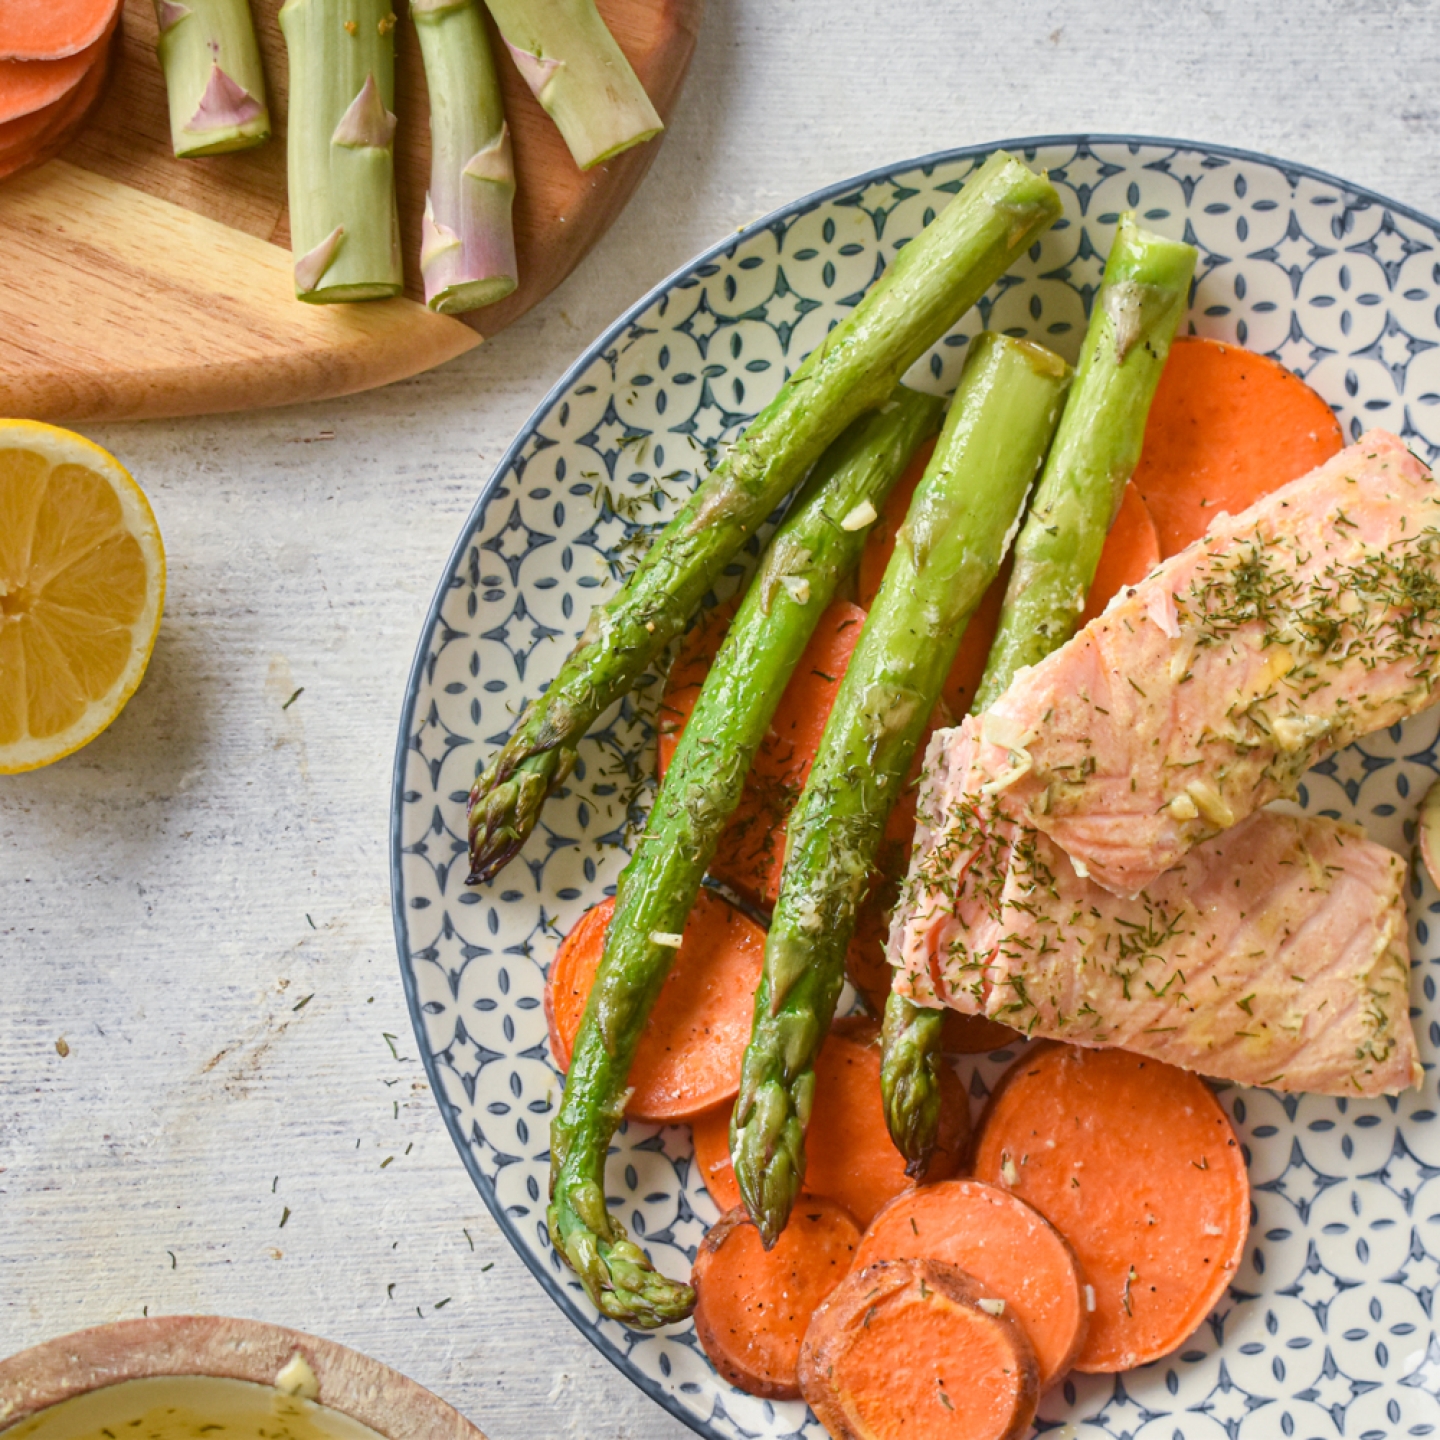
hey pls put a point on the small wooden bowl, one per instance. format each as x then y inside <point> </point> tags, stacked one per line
<point>212,1347</point>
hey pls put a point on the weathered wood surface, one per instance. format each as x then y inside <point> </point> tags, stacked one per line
<point>154,888</point>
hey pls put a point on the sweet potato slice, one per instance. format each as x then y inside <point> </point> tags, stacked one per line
<point>52,29</point>
<point>688,1061</point>
<point>1227,427</point>
<point>710,1134</point>
<point>850,1157</point>
<point>30,85</point>
<point>918,1350</point>
<point>32,139</point>
<point>1012,1250</point>
<point>1136,1165</point>
<point>753,1306</point>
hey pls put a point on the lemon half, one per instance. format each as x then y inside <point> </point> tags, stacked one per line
<point>82,586</point>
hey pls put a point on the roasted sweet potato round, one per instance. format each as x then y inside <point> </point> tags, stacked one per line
<point>918,1350</point>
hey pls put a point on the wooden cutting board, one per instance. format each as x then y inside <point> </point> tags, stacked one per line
<point>138,285</point>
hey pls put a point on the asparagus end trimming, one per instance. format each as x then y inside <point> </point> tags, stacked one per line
<point>467,255</point>
<point>213,76</point>
<point>580,76</point>
<point>534,71</point>
<point>344,229</point>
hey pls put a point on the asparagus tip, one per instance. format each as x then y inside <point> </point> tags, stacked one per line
<point>769,1159</point>
<point>224,105</point>
<point>366,123</point>
<point>617,1274</point>
<point>909,1081</point>
<point>504,812</point>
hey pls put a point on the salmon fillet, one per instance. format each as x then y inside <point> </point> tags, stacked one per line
<point>1274,954</point>
<point>1311,619</point>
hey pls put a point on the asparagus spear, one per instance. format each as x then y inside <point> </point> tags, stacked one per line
<point>344,232</point>
<point>1140,304</point>
<point>1141,301</point>
<point>467,254</point>
<point>930,284</point>
<point>949,549</point>
<point>809,555</point>
<point>213,76</point>
<point>579,75</point>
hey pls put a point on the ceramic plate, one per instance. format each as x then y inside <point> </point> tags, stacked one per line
<point>1327,1330</point>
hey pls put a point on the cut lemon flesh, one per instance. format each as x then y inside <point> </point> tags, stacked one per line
<point>82,585</point>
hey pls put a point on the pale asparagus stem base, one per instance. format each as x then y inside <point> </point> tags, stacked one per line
<point>1140,304</point>
<point>809,556</point>
<point>933,281</point>
<point>579,75</point>
<point>948,551</point>
<point>213,76</point>
<point>344,230</point>
<point>467,253</point>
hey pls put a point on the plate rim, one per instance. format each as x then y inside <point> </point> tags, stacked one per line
<point>551,1284</point>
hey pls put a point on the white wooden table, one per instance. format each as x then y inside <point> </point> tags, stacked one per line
<point>198,903</point>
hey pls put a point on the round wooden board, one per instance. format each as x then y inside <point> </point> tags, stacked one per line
<point>162,287</point>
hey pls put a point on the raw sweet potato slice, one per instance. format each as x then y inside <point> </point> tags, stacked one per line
<point>30,140</point>
<point>52,29</point>
<point>29,85</point>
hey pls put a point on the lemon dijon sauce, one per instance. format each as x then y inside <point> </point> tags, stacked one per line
<point>194,1407</point>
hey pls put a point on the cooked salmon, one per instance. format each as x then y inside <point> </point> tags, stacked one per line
<point>1305,622</point>
<point>1274,954</point>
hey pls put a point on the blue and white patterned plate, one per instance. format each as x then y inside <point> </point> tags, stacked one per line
<point>1327,1331</point>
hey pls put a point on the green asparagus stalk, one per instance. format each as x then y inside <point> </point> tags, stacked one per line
<point>213,76</point>
<point>930,284</point>
<point>467,252</point>
<point>1140,304</point>
<point>948,551</point>
<point>344,232</point>
<point>1143,297</point>
<point>818,543</point>
<point>579,75</point>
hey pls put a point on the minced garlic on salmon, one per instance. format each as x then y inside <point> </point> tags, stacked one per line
<point>1274,954</point>
<point>1311,619</point>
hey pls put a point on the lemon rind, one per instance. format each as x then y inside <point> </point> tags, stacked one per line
<point>64,447</point>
